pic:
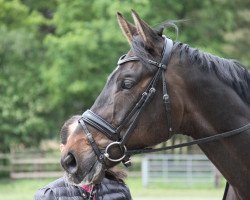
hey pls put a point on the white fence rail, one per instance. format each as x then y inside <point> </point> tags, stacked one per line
<point>30,165</point>
<point>187,168</point>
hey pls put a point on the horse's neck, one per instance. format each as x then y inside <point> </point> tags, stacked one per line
<point>211,111</point>
<point>232,157</point>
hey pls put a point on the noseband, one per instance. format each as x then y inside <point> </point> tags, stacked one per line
<point>131,119</point>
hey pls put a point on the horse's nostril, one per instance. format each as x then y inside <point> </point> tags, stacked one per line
<point>69,163</point>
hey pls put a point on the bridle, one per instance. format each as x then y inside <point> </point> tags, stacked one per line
<point>131,119</point>
<point>112,132</point>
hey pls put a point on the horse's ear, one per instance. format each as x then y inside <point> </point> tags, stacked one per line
<point>145,31</point>
<point>127,28</point>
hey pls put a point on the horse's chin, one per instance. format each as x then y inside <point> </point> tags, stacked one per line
<point>95,176</point>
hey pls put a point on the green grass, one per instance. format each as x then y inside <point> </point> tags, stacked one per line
<point>25,189</point>
<point>174,191</point>
<point>20,189</point>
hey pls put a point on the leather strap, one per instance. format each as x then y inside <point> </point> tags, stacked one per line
<point>122,59</point>
<point>114,133</point>
<point>92,142</point>
<point>99,123</point>
<point>198,141</point>
<point>167,51</point>
<point>225,191</point>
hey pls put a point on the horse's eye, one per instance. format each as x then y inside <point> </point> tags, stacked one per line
<point>127,84</point>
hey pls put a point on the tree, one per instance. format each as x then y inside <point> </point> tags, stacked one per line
<point>82,52</point>
<point>238,40</point>
<point>22,103</point>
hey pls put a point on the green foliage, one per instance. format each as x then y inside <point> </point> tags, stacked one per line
<point>55,55</point>
<point>22,104</point>
<point>237,40</point>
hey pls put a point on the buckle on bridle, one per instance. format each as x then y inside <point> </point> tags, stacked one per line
<point>106,154</point>
<point>127,161</point>
<point>166,98</point>
<point>152,90</point>
<point>162,66</point>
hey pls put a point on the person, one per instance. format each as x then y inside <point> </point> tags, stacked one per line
<point>112,186</point>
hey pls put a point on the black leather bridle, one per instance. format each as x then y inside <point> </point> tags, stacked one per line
<point>112,132</point>
<point>131,119</point>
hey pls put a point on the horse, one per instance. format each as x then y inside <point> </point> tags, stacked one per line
<point>161,88</point>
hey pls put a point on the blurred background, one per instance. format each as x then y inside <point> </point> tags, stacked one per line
<point>55,57</point>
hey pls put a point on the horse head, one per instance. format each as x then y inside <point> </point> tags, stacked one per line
<point>138,73</point>
<point>158,89</point>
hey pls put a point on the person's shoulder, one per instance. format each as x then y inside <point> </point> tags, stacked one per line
<point>111,189</point>
<point>59,189</point>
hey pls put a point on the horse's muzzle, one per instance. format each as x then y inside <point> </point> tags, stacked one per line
<point>69,163</point>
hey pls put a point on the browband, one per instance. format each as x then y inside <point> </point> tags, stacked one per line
<point>165,55</point>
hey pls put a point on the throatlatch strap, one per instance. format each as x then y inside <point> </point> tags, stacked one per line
<point>166,101</point>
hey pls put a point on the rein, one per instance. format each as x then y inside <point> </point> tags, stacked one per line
<point>113,133</point>
<point>198,141</point>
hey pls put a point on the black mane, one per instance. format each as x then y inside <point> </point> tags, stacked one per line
<point>229,71</point>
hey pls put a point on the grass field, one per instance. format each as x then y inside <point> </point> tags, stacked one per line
<point>25,189</point>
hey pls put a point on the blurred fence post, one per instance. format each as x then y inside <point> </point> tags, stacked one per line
<point>34,164</point>
<point>145,171</point>
<point>4,165</point>
<point>217,178</point>
<point>181,168</point>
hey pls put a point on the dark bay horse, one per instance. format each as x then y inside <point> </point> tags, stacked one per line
<point>161,88</point>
